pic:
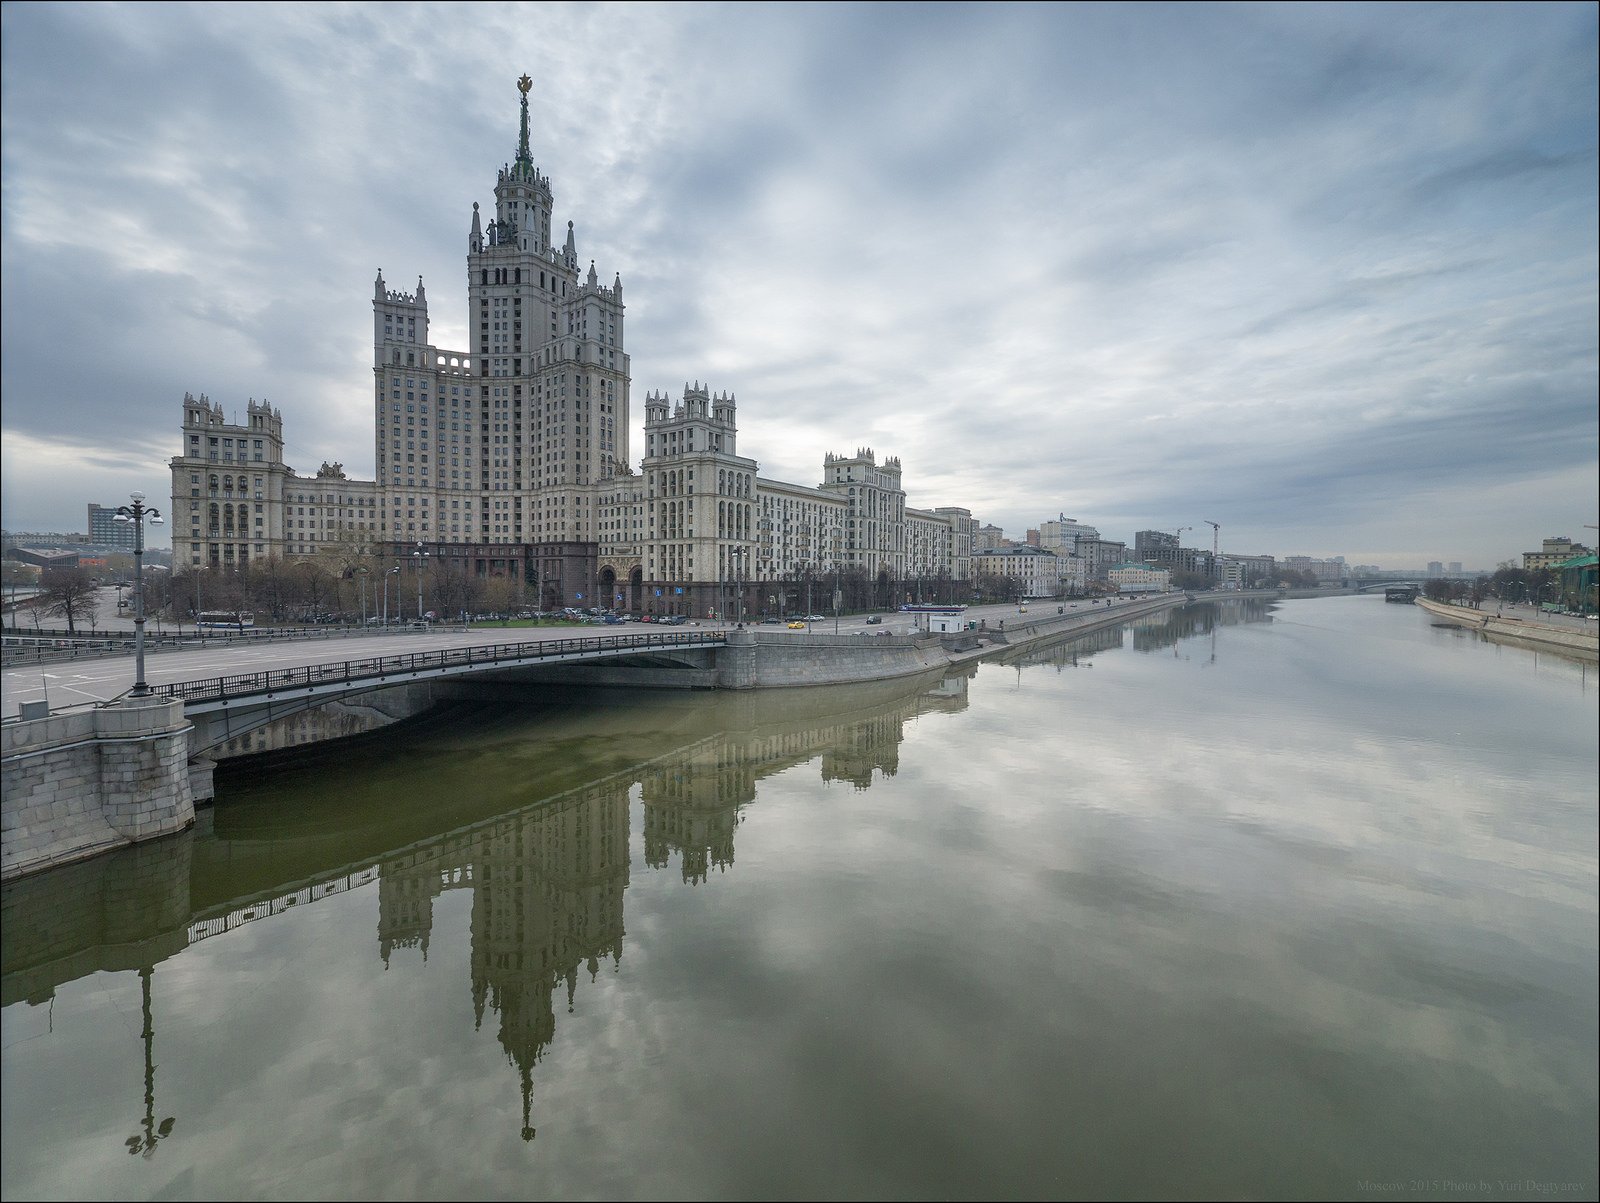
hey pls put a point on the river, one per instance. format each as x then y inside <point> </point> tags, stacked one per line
<point>1248,900</point>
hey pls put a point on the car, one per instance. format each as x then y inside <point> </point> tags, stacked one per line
<point>797,625</point>
<point>874,619</point>
<point>417,624</point>
<point>611,620</point>
<point>771,622</point>
<point>814,617</point>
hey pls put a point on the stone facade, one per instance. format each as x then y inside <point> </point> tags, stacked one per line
<point>510,457</point>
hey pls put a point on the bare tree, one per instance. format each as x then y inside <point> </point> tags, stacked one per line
<point>70,594</point>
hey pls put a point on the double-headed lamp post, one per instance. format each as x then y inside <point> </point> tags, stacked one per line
<point>138,513</point>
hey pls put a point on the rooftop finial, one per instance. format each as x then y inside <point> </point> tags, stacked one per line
<point>524,156</point>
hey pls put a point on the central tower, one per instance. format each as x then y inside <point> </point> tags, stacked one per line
<point>502,452</point>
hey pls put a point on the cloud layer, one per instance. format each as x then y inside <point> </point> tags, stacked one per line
<point>1325,275</point>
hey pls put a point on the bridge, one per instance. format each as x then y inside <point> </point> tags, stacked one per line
<point>224,707</point>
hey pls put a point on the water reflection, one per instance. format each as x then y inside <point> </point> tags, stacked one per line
<point>547,871</point>
<point>1150,633</point>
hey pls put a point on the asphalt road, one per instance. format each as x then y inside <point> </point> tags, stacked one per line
<point>88,681</point>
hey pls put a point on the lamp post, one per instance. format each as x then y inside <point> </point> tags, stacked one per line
<point>198,569</point>
<point>739,554</point>
<point>421,557</point>
<point>835,533</point>
<point>361,582</point>
<point>137,513</point>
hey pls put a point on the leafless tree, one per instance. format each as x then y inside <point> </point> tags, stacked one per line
<point>70,594</point>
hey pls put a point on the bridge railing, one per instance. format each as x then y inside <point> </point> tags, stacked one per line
<point>239,685</point>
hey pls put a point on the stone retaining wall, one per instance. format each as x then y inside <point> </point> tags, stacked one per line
<point>77,784</point>
<point>1583,644</point>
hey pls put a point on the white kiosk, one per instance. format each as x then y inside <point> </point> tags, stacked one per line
<point>941,620</point>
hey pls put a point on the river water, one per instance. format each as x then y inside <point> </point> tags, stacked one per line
<point>1246,900</point>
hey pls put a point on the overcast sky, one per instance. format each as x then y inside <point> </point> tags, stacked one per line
<point>1325,275</point>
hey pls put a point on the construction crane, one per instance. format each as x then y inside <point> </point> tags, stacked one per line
<point>1216,530</point>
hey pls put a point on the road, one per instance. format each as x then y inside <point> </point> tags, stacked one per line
<point>85,682</point>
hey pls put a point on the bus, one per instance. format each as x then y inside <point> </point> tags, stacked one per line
<point>226,620</point>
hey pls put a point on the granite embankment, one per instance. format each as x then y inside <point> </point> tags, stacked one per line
<point>1583,645</point>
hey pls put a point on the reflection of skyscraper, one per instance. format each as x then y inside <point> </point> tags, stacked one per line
<point>547,887</point>
<point>691,803</point>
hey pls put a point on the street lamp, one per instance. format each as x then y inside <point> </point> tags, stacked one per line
<point>198,569</point>
<point>421,558</point>
<point>361,582</point>
<point>835,534</point>
<point>739,555</point>
<point>137,513</point>
<point>393,572</point>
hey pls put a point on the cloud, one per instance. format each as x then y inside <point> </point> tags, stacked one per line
<point>1135,263</point>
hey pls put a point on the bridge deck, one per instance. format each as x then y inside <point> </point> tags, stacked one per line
<point>414,665</point>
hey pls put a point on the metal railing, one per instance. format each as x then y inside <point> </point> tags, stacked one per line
<point>47,647</point>
<point>242,685</point>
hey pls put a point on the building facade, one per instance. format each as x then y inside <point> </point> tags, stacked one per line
<point>510,457</point>
<point>105,531</point>
<point>1551,554</point>
<point>1139,578</point>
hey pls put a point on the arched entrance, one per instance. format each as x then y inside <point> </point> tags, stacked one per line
<point>636,590</point>
<point>607,598</point>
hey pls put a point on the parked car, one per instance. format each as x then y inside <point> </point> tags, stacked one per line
<point>815,617</point>
<point>771,622</point>
<point>612,620</point>
<point>797,625</point>
<point>874,619</point>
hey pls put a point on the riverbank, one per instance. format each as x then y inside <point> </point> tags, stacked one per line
<point>1541,636</point>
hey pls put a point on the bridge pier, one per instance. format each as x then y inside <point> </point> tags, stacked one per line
<point>78,784</point>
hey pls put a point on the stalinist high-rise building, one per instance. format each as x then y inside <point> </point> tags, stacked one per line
<point>509,458</point>
<point>503,446</point>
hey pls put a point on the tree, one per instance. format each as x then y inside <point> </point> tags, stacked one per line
<point>70,593</point>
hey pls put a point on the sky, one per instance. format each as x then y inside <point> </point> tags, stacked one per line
<point>1323,274</point>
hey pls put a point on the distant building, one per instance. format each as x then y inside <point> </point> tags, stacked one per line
<point>43,558</point>
<point>1100,556</point>
<point>1245,572</point>
<point>1037,571</point>
<point>1062,534</point>
<point>1455,567</point>
<point>1133,577</point>
<point>106,531</point>
<point>1435,568</point>
<point>45,539</point>
<point>989,538</point>
<point>1327,572</point>
<point>1555,551</point>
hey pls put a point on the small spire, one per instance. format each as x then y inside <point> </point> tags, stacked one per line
<point>476,237</point>
<point>572,243</point>
<point>524,155</point>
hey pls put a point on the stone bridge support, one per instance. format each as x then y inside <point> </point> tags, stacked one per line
<point>77,784</point>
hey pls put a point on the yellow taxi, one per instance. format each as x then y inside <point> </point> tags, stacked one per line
<point>797,626</point>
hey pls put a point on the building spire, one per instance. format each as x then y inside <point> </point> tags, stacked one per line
<point>524,155</point>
